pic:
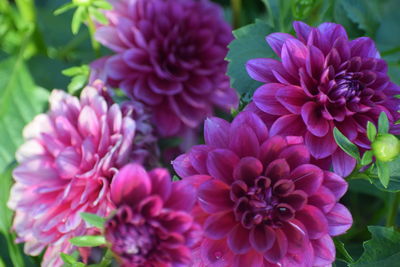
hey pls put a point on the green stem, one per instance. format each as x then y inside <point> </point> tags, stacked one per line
<point>92,30</point>
<point>27,9</point>
<point>106,261</point>
<point>393,209</point>
<point>4,6</point>
<point>236,7</point>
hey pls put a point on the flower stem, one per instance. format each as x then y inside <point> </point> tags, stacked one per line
<point>92,30</point>
<point>393,209</point>
<point>106,261</point>
<point>236,7</point>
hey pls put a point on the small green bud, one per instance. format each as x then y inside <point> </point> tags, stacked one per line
<point>386,147</point>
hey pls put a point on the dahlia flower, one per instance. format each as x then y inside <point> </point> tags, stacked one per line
<point>260,201</point>
<point>66,164</point>
<point>324,80</point>
<point>152,226</point>
<point>169,54</point>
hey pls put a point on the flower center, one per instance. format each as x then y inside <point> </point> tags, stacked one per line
<point>262,202</point>
<point>348,86</point>
<point>136,240</point>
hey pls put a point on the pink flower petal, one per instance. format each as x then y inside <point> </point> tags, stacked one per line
<point>320,147</point>
<point>339,220</point>
<point>262,237</point>
<point>276,41</point>
<point>216,132</point>
<point>247,169</point>
<point>312,116</point>
<point>161,183</point>
<point>264,98</point>
<point>218,225</point>
<point>335,183</point>
<point>314,221</point>
<point>220,164</point>
<point>279,249</point>
<point>131,184</point>
<point>343,164</point>
<point>213,196</point>
<point>288,125</point>
<point>307,177</point>
<point>324,251</point>
<point>292,98</point>
<point>238,240</point>
<point>260,69</point>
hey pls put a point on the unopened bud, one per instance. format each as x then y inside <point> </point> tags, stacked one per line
<point>386,147</point>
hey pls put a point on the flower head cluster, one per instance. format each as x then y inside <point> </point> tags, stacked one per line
<point>169,55</point>
<point>323,81</point>
<point>260,200</point>
<point>66,165</point>
<point>152,226</point>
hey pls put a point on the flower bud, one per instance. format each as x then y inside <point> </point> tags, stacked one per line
<point>386,147</point>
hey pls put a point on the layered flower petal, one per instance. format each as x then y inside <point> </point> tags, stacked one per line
<point>323,81</point>
<point>170,55</point>
<point>69,160</point>
<point>266,204</point>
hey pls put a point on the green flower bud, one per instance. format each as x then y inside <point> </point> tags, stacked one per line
<point>386,147</point>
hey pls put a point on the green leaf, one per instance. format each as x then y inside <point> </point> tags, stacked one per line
<point>77,70</point>
<point>364,13</point>
<point>388,33</point>
<point>71,261</point>
<point>78,18</point>
<point>383,249</point>
<point>2,264</point>
<point>249,44</point>
<point>175,178</point>
<point>345,144</point>
<point>371,131</point>
<point>88,241</point>
<point>6,213</point>
<point>77,83</point>
<point>394,182</point>
<point>102,4</point>
<point>6,217</point>
<point>383,172</point>
<point>341,252</point>
<point>20,101</point>
<point>93,219</point>
<point>67,258</point>
<point>64,8</point>
<point>383,123</point>
<point>99,16</point>
<point>367,158</point>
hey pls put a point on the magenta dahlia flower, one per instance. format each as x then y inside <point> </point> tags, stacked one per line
<point>260,201</point>
<point>66,165</point>
<point>152,226</point>
<point>323,81</point>
<point>169,55</point>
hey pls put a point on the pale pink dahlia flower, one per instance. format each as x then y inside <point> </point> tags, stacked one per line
<point>169,54</point>
<point>153,225</point>
<point>66,165</point>
<point>323,81</point>
<point>260,201</point>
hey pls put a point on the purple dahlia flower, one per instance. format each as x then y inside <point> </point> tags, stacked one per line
<point>324,80</point>
<point>169,55</point>
<point>66,165</point>
<point>152,226</point>
<point>260,201</point>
